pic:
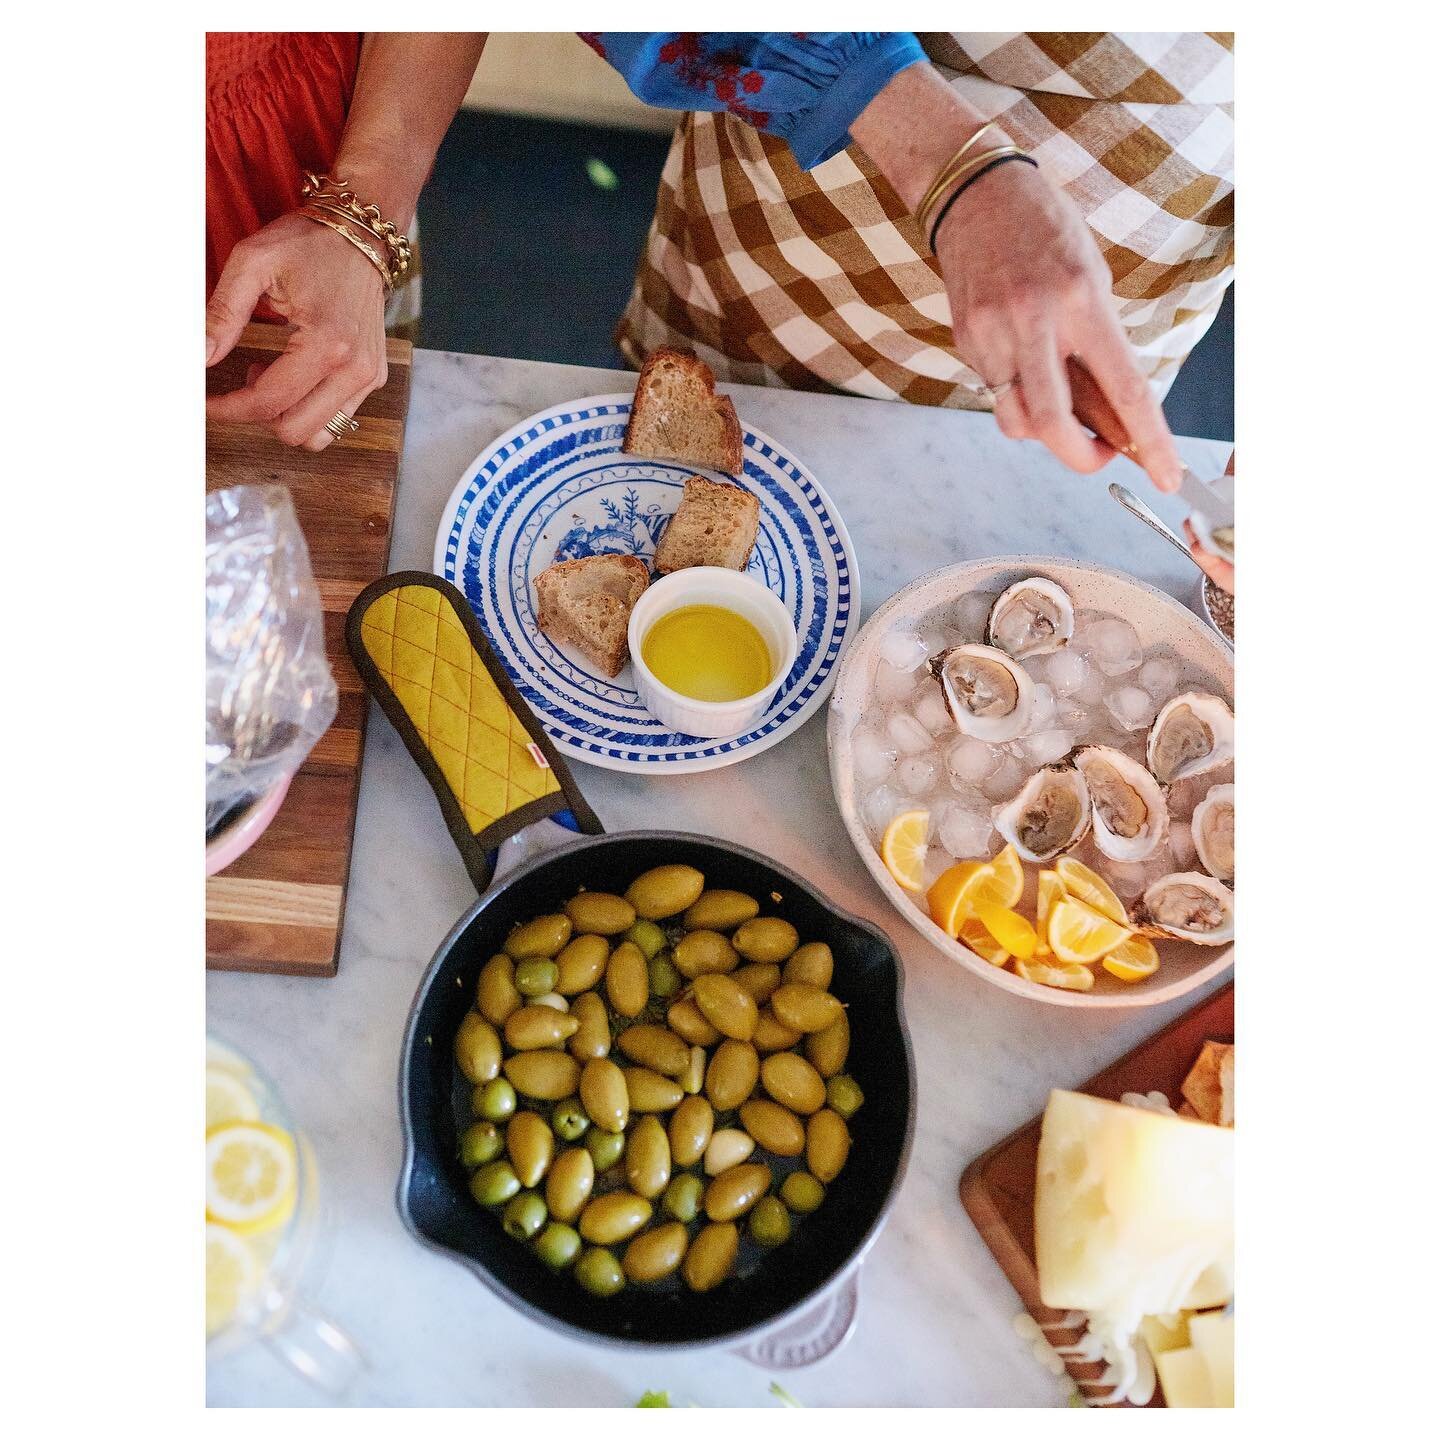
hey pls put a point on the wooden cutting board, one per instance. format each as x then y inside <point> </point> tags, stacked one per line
<point>998,1189</point>
<point>279,907</point>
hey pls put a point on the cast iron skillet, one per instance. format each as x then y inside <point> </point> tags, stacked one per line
<point>434,1197</point>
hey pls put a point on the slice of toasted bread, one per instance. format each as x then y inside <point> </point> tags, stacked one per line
<point>587,603</point>
<point>678,416</point>
<point>715,525</point>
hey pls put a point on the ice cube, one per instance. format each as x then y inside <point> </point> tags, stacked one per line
<point>1045,747</point>
<point>930,711</point>
<point>879,808</point>
<point>1042,710</point>
<point>1066,671</point>
<point>935,637</point>
<point>1130,706</point>
<point>903,649</point>
<point>1092,689</point>
<point>1182,847</point>
<point>969,614</point>
<point>1072,716</point>
<point>1005,780</point>
<point>1127,881</point>
<point>1160,675</point>
<point>918,774</point>
<point>970,761</point>
<point>908,733</point>
<point>1115,645</point>
<point>874,755</point>
<point>964,832</point>
<point>1083,640</point>
<point>894,685</point>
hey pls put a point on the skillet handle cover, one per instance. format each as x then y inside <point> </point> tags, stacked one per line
<point>423,656</point>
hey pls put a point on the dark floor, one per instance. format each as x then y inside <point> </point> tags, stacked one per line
<point>526,255</point>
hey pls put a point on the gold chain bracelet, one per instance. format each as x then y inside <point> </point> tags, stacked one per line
<point>337,194</point>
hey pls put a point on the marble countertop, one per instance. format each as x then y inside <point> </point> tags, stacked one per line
<point>918,488</point>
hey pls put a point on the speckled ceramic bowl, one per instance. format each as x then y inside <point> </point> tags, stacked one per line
<point>1162,623</point>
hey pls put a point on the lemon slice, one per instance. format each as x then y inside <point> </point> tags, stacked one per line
<point>219,1056</point>
<point>1012,931</point>
<point>952,897</point>
<point>1079,935</point>
<point>974,936</point>
<point>1009,882</point>
<point>1059,977</point>
<point>249,1176</point>
<point>1082,883</point>
<point>904,848</point>
<point>231,1275</point>
<point>1134,959</point>
<point>1048,889</point>
<point>227,1099</point>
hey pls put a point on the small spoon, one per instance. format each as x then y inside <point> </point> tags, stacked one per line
<point>1143,513</point>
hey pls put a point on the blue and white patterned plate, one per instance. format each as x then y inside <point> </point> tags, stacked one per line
<point>557,486</point>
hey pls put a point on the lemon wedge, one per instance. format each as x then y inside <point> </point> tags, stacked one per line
<point>1079,935</point>
<point>1007,928</point>
<point>974,936</point>
<point>227,1099</point>
<point>1059,977</point>
<point>906,843</point>
<point>231,1275</point>
<point>1082,883</point>
<point>952,897</point>
<point>1134,959</point>
<point>1009,882</point>
<point>1048,889</point>
<point>250,1176</point>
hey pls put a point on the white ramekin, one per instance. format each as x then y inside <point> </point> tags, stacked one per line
<point>711,585</point>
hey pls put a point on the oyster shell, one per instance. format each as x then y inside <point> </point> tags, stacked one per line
<point>1049,815</point>
<point>1127,804</point>
<point>1189,906</point>
<point>1032,617</point>
<point>988,695</point>
<point>1213,827</point>
<point>1192,733</point>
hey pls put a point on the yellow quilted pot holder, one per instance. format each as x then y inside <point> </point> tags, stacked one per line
<point>422,655</point>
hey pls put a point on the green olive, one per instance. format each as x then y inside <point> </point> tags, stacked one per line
<point>530,1143</point>
<point>569,1120</point>
<point>761,981</point>
<point>543,1074</point>
<point>665,891</point>
<point>772,1126</point>
<point>593,912</point>
<point>538,1027</point>
<point>648,936</point>
<point>769,1222</point>
<point>650,1092</point>
<point>536,977</point>
<point>627,980</point>
<point>604,1096</point>
<point>793,1081</point>
<point>656,1048</point>
<point>729,1007</point>
<point>656,1254</point>
<point>805,1007</point>
<point>494,1100</point>
<point>647,1157</point>
<point>711,1256</point>
<point>581,964</point>
<point>495,1183</point>
<point>726,1149</point>
<point>692,1082</point>
<point>591,1041</point>
<point>734,1069</point>
<point>480,1144</point>
<point>682,1197</point>
<point>665,980</point>
<point>691,1125</point>
<point>721,910</point>
<point>689,1024</point>
<point>557,1245</point>
<point>477,1049</point>
<point>730,1195</point>
<point>828,1049</point>
<point>538,939</point>
<point>812,964</point>
<point>604,1147</point>
<point>767,940</point>
<point>771,1035</point>
<point>569,1183</point>
<point>704,952</point>
<point>802,1192</point>
<point>614,1217</point>
<point>827,1145</point>
<point>844,1096</point>
<point>524,1215</point>
<point>599,1272</point>
<point>496,997</point>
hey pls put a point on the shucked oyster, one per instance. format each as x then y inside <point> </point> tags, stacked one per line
<point>1189,906</point>
<point>1032,617</point>
<point>988,695</point>
<point>1049,815</point>
<point>1127,806</point>
<point>1213,827</point>
<point>1192,734</point>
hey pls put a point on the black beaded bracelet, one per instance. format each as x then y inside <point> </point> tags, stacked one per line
<point>965,184</point>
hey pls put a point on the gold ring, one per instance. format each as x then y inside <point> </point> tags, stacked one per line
<point>340,425</point>
<point>994,392</point>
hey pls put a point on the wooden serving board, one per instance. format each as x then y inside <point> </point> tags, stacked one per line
<point>998,1189</point>
<point>279,907</point>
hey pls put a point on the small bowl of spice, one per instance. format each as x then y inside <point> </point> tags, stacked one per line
<point>1218,607</point>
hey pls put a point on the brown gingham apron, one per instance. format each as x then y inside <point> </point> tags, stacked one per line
<point>822,279</point>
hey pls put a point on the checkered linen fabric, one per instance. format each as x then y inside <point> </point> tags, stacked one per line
<point>822,279</point>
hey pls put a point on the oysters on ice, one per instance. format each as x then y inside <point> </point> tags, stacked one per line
<point>988,695</point>
<point>1189,906</point>
<point>1213,827</point>
<point>1033,617</point>
<point>1127,804</point>
<point>1049,815</point>
<point>1192,733</point>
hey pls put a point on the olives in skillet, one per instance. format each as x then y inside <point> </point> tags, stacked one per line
<point>658,1083</point>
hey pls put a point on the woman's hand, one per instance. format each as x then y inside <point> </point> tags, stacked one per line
<point>336,356</point>
<point>1222,572</point>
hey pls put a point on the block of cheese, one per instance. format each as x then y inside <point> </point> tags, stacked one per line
<point>1213,1336</point>
<point>1185,1379</point>
<point>1134,1212</point>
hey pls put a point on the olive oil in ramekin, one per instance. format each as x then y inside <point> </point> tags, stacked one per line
<point>707,652</point>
